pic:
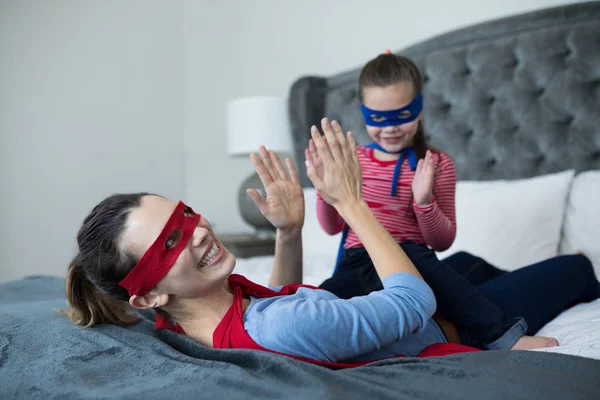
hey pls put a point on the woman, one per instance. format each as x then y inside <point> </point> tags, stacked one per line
<point>151,252</point>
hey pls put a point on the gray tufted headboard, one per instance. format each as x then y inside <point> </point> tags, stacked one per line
<point>510,98</point>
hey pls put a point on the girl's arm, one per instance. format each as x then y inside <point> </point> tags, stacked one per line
<point>329,219</point>
<point>437,220</point>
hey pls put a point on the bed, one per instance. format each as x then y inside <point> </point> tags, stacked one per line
<point>515,102</point>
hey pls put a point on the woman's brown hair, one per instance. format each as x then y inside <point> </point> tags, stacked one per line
<point>92,283</point>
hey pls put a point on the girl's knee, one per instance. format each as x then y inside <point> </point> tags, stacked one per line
<point>589,275</point>
<point>584,261</point>
<point>581,263</point>
<point>462,254</point>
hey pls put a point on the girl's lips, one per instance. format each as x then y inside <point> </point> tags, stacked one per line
<point>392,140</point>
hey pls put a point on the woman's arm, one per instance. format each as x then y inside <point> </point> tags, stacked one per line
<point>335,329</point>
<point>437,220</point>
<point>388,258</point>
<point>287,265</point>
<point>341,183</point>
<point>331,329</point>
<point>284,208</point>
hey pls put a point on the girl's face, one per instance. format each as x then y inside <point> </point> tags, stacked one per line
<point>201,268</point>
<point>385,98</point>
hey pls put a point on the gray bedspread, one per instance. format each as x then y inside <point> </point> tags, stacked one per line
<point>42,355</point>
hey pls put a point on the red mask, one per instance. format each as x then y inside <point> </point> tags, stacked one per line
<point>159,258</point>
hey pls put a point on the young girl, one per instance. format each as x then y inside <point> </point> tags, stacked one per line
<point>410,188</point>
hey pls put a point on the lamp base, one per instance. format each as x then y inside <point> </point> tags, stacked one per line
<point>248,210</point>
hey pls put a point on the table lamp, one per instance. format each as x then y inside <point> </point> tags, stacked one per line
<point>252,122</point>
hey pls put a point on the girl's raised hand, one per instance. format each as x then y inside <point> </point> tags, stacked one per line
<point>422,185</point>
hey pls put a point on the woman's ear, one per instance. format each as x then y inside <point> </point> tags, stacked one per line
<point>150,300</point>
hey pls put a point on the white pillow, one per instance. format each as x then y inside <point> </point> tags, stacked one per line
<point>513,223</point>
<point>316,243</point>
<point>582,221</point>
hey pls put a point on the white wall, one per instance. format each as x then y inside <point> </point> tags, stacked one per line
<point>91,103</point>
<point>238,48</point>
<point>103,96</point>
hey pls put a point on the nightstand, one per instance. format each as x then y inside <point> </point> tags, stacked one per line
<point>248,245</point>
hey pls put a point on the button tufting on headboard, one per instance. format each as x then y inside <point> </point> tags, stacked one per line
<point>508,99</point>
<point>568,120</point>
<point>539,159</point>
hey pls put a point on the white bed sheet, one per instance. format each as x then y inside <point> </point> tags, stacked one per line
<point>577,329</point>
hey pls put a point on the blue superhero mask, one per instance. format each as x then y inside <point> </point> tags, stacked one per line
<point>393,117</point>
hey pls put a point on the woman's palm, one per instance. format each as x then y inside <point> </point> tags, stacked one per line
<point>284,205</point>
<point>284,202</point>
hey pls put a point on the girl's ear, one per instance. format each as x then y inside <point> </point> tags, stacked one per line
<point>150,300</point>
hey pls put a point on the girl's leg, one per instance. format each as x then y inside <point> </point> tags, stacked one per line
<point>353,276</point>
<point>540,292</point>
<point>474,269</point>
<point>480,322</point>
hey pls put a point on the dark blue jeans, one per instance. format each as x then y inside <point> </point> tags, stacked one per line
<point>475,295</point>
<point>539,292</point>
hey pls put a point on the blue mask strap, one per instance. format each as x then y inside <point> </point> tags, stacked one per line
<point>409,153</point>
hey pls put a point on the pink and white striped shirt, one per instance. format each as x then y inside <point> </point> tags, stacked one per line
<point>433,225</point>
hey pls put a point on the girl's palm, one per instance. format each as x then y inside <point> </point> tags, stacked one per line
<point>422,185</point>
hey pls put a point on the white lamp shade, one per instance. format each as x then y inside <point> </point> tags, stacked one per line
<point>256,121</point>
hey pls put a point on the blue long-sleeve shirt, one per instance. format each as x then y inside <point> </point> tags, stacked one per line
<point>317,324</point>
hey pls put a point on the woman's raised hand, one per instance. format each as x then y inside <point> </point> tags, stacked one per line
<point>284,202</point>
<point>332,165</point>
